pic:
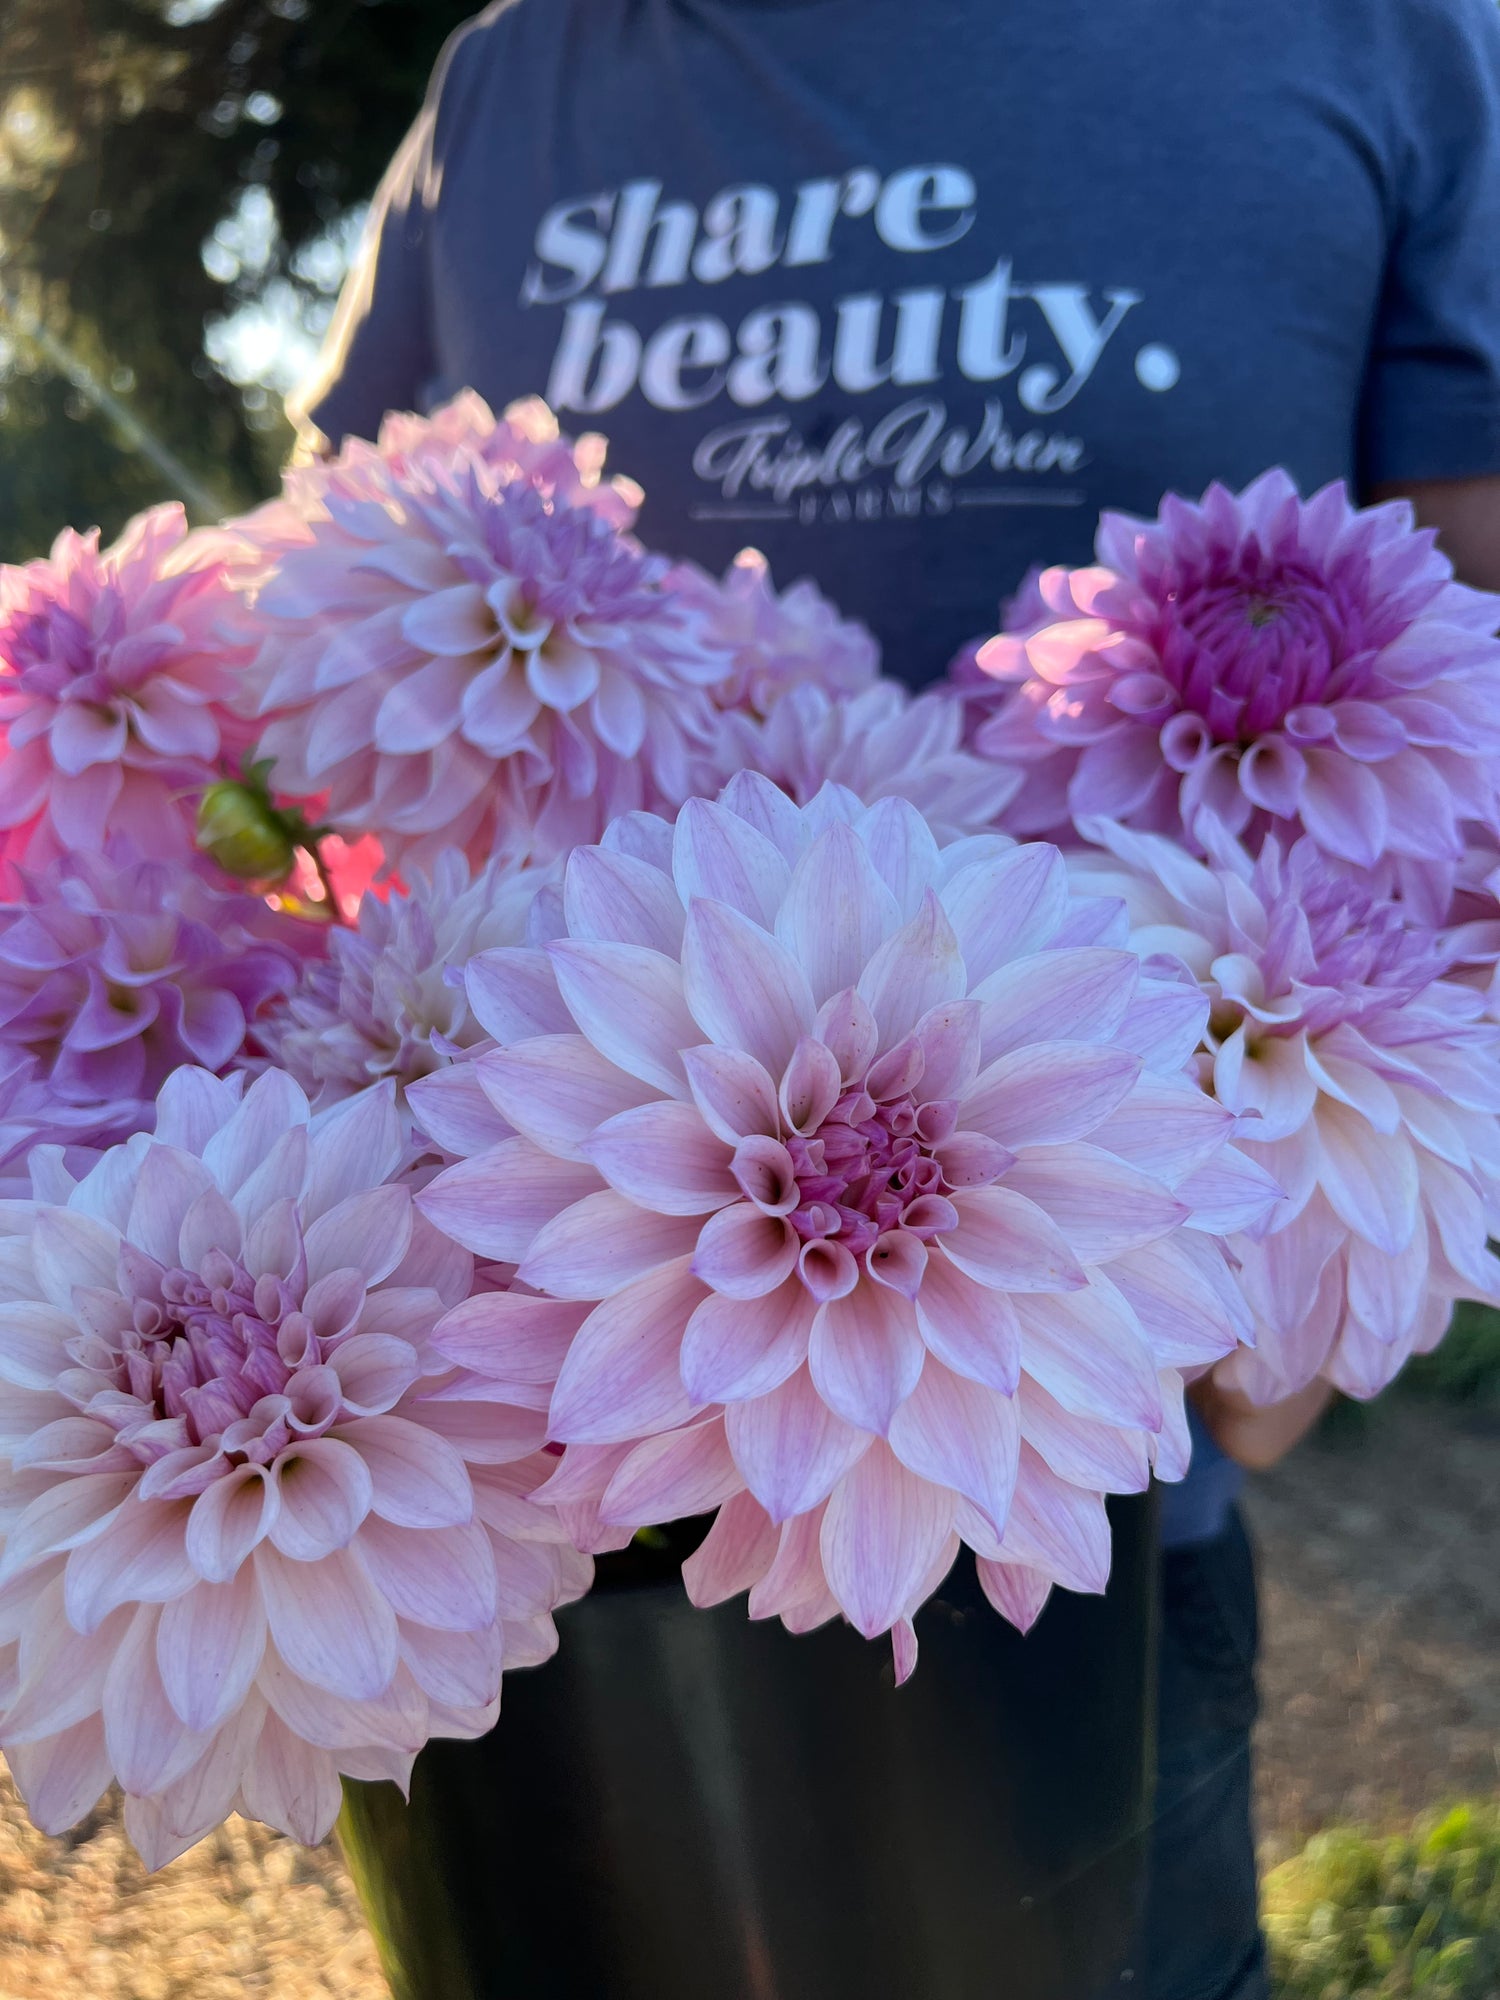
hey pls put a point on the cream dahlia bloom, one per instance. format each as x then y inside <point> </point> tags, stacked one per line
<point>853,1173</point>
<point>389,1000</point>
<point>1366,1081</point>
<point>459,650</point>
<point>255,1535</point>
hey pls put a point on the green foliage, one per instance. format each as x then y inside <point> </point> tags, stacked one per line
<point>1360,1918</point>
<point>1465,1366</point>
<point>132,135</point>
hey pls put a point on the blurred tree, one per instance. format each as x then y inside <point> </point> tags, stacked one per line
<point>165,164</point>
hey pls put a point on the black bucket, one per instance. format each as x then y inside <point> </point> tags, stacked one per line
<point>686,1805</point>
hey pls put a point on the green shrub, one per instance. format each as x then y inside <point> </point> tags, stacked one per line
<point>1359,1918</point>
<point>1465,1365</point>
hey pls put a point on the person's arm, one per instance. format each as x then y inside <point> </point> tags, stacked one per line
<point>1429,420</point>
<point>380,353</point>
<point>377,353</point>
<point>1466,514</point>
<point>1253,1435</point>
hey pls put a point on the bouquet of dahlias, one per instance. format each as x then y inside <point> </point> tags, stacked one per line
<point>506,1042</point>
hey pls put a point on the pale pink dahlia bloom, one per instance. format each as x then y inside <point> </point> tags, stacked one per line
<point>456,655</point>
<point>116,669</point>
<point>853,1172</point>
<point>389,1000</point>
<point>526,441</point>
<point>1368,1085</point>
<point>1271,659</point>
<point>880,743</point>
<point>776,642</point>
<point>256,1533</point>
<point>113,972</point>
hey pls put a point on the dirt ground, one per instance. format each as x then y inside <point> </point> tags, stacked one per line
<point>1380,1553</point>
<point>1380,1587</point>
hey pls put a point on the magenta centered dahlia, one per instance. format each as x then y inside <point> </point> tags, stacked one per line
<point>255,1535</point>
<point>1271,659</point>
<point>115,679</point>
<point>1367,1082</point>
<point>456,655</point>
<point>853,1173</point>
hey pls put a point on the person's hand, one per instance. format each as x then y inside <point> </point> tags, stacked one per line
<point>1254,1434</point>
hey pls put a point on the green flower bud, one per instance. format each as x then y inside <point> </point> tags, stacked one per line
<point>240,829</point>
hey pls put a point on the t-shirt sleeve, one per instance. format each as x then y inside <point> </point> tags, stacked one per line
<point>378,354</point>
<point>1431,407</point>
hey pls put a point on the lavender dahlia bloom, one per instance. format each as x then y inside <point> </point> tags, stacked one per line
<point>457,655</point>
<point>776,642</point>
<point>879,743</point>
<point>113,972</point>
<point>115,675</point>
<point>255,1533</point>
<point>1368,1083</point>
<point>853,1173</point>
<point>389,1000</point>
<point>1271,659</point>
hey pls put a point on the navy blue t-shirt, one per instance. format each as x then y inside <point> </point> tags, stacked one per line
<point>904,294</point>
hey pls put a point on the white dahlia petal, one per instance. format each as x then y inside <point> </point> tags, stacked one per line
<point>390,999</point>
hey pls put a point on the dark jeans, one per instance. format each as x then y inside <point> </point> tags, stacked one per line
<point>1199,1937</point>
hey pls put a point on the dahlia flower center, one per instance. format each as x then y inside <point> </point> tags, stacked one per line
<point>525,624</point>
<point>48,649</point>
<point>1361,943</point>
<point>1332,953</point>
<point>863,1172</point>
<point>868,1183</point>
<point>231,1358</point>
<point>1248,647</point>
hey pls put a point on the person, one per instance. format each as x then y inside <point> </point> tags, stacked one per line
<point>905,297</point>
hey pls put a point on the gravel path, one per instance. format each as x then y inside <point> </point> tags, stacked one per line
<point>1382,1610</point>
<point>244,1913</point>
